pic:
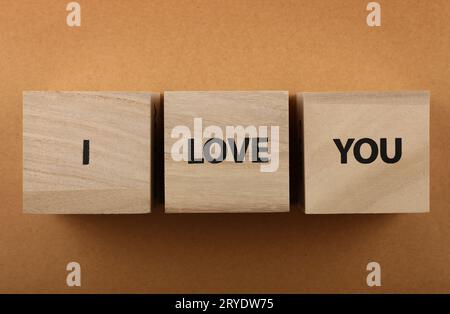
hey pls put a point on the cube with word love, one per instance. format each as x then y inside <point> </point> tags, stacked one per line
<point>87,152</point>
<point>365,152</point>
<point>226,151</point>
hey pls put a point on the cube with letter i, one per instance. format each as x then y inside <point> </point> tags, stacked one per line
<point>87,152</point>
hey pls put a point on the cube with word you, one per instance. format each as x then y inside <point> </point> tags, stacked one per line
<point>365,152</point>
<point>87,152</point>
<point>226,151</point>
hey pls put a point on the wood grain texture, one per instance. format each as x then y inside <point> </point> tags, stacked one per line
<point>118,126</point>
<point>353,187</point>
<point>226,186</point>
<point>224,45</point>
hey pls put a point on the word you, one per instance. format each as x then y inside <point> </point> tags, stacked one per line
<point>357,151</point>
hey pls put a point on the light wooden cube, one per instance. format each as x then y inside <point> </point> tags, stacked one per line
<point>384,169</point>
<point>256,182</point>
<point>87,152</point>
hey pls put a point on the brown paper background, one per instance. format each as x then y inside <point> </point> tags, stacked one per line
<point>224,45</point>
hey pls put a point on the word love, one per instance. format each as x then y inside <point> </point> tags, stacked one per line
<point>233,144</point>
<point>344,149</point>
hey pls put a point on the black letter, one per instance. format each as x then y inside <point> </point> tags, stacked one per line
<point>258,149</point>
<point>85,152</point>
<point>191,153</point>
<point>207,150</point>
<point>343,150</point>
<point>398,151</point>
<point>357,150</point>
<point>239,156</point>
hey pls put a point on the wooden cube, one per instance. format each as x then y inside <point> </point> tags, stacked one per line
<point>365,152</point>
<point>226,151</point>
<point>87,152</point>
